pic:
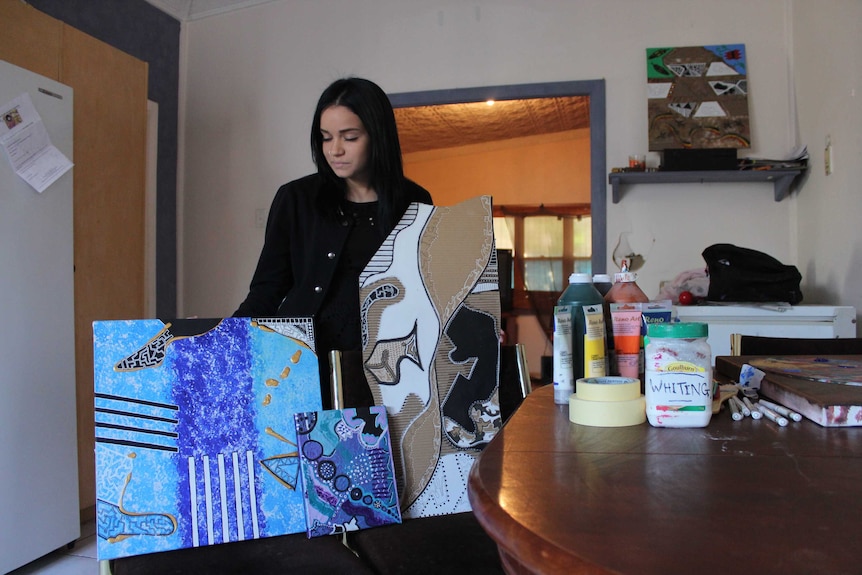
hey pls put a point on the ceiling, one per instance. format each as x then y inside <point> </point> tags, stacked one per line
<point>433,127</point>
<point>185,10</point>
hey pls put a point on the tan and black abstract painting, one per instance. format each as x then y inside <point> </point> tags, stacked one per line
<point>430,306</point>
<point>698,97</point>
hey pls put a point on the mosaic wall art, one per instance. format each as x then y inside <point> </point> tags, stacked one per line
<point>347,472</point>
<point>195,438</point>
<point>698,97</point>
<point>430,307</point>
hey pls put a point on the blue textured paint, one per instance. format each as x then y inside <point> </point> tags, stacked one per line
<point>231,390</point>
<point>216,415</point>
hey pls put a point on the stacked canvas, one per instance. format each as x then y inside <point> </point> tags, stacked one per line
<point>211,431</point>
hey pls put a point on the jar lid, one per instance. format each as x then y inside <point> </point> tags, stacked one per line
<point>579,278</point>
<point>601,278</point>
<point>680,330</point>
<point>625,277</point>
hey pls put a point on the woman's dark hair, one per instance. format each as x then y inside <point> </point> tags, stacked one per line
<point>368,101</point>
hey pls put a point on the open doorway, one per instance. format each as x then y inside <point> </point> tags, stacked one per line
<point>592,90</point>
<point>465,114</point>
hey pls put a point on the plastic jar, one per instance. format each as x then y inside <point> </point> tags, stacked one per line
<point>679,385</point>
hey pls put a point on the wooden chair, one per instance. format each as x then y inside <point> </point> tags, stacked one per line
<point>761,345</point>
<point>453,543</point>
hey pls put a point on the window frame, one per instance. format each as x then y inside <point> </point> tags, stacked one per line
<point>520,296</point>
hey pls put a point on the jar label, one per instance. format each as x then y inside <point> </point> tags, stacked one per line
<point>683,367</point>
<point>672,390</point>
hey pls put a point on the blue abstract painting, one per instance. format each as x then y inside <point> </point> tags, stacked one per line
<point>347,471</point>
<point>195,437</point>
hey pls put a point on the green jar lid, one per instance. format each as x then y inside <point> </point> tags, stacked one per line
<point>679,330</point>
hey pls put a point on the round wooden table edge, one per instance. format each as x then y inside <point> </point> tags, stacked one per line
<point>522,551</point>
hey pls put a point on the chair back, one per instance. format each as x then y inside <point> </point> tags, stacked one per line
<point>347,382</point>
<point>515,382</point>
<point>762,345</point>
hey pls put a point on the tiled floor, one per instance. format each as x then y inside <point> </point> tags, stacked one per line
<point>79,560</point>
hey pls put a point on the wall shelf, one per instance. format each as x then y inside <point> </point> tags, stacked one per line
<point>780,178</point>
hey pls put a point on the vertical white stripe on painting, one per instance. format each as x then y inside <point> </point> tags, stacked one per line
<point>209,500</point>
<point>249,461</point>
<point>193,498</point>
<point>237,492</point>
<point>225,526</point>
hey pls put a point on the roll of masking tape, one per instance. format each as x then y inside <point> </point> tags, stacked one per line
<point>607,413</point>
<point>608,388</point>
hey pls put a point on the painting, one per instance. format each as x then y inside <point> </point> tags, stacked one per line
<point>430,321</point>
<point>195,440</point>
<point>698,97</point>
<point>346,466</point>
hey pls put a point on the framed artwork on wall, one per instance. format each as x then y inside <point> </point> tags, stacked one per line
<point>698,97</point>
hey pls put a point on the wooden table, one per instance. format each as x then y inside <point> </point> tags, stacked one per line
<point>733,497</point>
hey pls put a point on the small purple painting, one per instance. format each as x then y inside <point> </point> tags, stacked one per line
<point>347,471</point>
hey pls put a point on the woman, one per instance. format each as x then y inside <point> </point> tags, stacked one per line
<point>323,229</point>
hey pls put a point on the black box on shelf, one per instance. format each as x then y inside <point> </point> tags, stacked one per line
<point>690,160</point>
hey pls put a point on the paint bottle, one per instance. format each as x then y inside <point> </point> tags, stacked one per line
<point>586,346</point>
<point>679,386</point>
<point>624,301</point>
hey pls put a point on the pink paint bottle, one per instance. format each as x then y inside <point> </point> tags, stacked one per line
<point>626,350</point>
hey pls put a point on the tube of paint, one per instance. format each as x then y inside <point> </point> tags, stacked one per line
<point>627,318</point>
<point>564,380</point>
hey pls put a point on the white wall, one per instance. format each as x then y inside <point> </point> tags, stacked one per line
<point>252,78</point>
<point>828,68</point>
<point>550,169</point>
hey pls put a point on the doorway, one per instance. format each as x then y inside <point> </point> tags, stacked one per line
<point>594,90</point>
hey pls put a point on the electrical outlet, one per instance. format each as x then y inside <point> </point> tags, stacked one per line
<point>827,156</point>
<point>260,218</point>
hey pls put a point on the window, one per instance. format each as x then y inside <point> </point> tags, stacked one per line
<point>547,244</point>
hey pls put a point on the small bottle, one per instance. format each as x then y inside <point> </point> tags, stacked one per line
<point>581,305</point>
<point>625,288</point>
<point>603,283</point>
<point>679,387</point>
<point>625,325</point>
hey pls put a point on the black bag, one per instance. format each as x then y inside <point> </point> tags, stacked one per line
<point>745,275</point>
